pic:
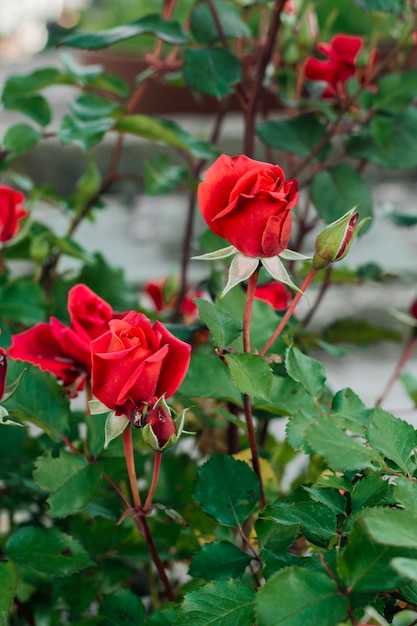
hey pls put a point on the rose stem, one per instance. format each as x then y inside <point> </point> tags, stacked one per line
<point>250,296</point>
<point>157,459</point>
<point>130,464</point>
<point>289,311</point>
<point>142,525</point>
<point>408,349</point>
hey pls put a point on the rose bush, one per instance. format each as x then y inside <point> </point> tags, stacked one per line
<point>11,212</point>
<point>249,203</point>
<point>134,363</point>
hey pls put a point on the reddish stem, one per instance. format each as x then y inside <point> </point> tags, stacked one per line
<point>130,464</point>
<point>157,459</point>
<point>408,350</point>
<point>308,279</point>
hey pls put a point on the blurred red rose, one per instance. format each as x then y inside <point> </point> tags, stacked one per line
<point>342,52</point>
<point>164,296</point>
<point>249,203</point>
<point>65,350</point>
<point>11,212</point>
<point>276,294</point>
<point>134,363</point>
<point>413,309</point>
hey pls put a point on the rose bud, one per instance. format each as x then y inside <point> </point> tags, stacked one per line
<point>3,371</point>
<point>161,431</point>
<point>11,212</point>
<point>333,243</point>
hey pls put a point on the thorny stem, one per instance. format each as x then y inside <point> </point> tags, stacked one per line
<point>250,296</point>
<point>408,350</point>
<point>308,279</point>
<point>130,464</point>
<point>155,475</point>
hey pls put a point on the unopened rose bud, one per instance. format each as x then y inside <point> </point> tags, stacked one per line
<point>3,371</point>
<point>333,243</point>
<point>160,431</point>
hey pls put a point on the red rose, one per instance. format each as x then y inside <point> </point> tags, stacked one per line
<point>11,212</point>
<point>248,202</point>
<point>162,424</point>
<point>134,363</point>
<point>65,350</point>
<point>342,52</point>
<point>164,298</point>
<point>276,294</point>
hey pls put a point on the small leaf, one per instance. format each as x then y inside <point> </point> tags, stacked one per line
<point>223,327</point>
<point>296,596</point>
<point>299,135</point>
<point>204,27</point>
<point>226,489</point>
<point>47,550</point>
<point>317,520</point>
<point>20,138</point>
<point>71,481</point>
<point>305,370</point>
<point>122,607</point>
<point>83,134</point>
<point>161,176</point>
<point>166,30</point>
<point>114,427</point>
<point>251,374</point>
<point>212,70</point>
<point>219,559</point>
<point>218,603</point>
<point>8,585</point>
<point>395,438</point>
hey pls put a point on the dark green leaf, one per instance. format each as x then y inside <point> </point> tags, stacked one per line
<point>122,607</point>
<point>405,492</point>
<point>369,491</point>
<point>39,399</point>
<point>330,497</point>
<point>402,219</point>
<point>165,131</point>
<point>212,70</point>
<point>300,135</point>
<point>286,398</point>
<point>161,176</point>
<point>359,332</point>
<point>204,27</point>
<point>226,489</point>
<point>251,374</point>
<point>337,190</point>
<point>209,377</point>
<point>34,106</point>
<point>388,6</point>
<point>218,603</point>
<point>349,407</point>
<point>166,30</point>
<point>317,521</point>
<point>91,106</point>
<point>109,283</point>
<point>402,149</point>
<point>31,294</point>
<point>296,596</point>
<point>223,327</point>
<point>395,438</point>
<point>20,138</point>
<point>8,584</point>
<point>84,134</point>
<point>47,550</point>
<point>305,370</point>
<point>407,568</point>
<point>220,559</point>
<point>70,479</point>
<point>342,452</point>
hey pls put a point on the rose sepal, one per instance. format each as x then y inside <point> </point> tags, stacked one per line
<point>114,427</point>
<point>97,408</point>
<point>222,253</point>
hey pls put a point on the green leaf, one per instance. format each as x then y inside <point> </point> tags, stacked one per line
<point>305,370</point>
<point>410,383</point>
<point>395,92</point>
<point>296,596</point>
<point>34,106</point>
<point>219,559</point>
<point>212,70</point>
<point>47,550</point>
<point>402,149</point>
<point>8,585</point>
<point>122,607</point>
<point>39,399</point>
<point>209,377</point>
<point>330,497</point>
<point>388,6</point>
<point>20,138</point>
<point>224,328</point>
<point>91,106</point>
<point>71,480</point>
<point>317,520</point>
<point>300,135</point>
<point>204,28</point>
<point>347,405</point>
<point>165,131</point>
<point>286,398</point>
<point>395,438</point>
<point>109,283</point>
<point>369,491</point>
<point>218,603</point>
<point>377,536</point>
<point>405,492</point>
<point>337,190</point>
<point>342,452</point>
<point>407,568</point>
<point>87,186</point>
<point>84,134</point>
<point>32,82</point>
<point>359,332</point>
<point>251,374</point>
<point>29,292</point>
<point>166,30</point>
<point>161,176</point>
<point>226,489</point>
